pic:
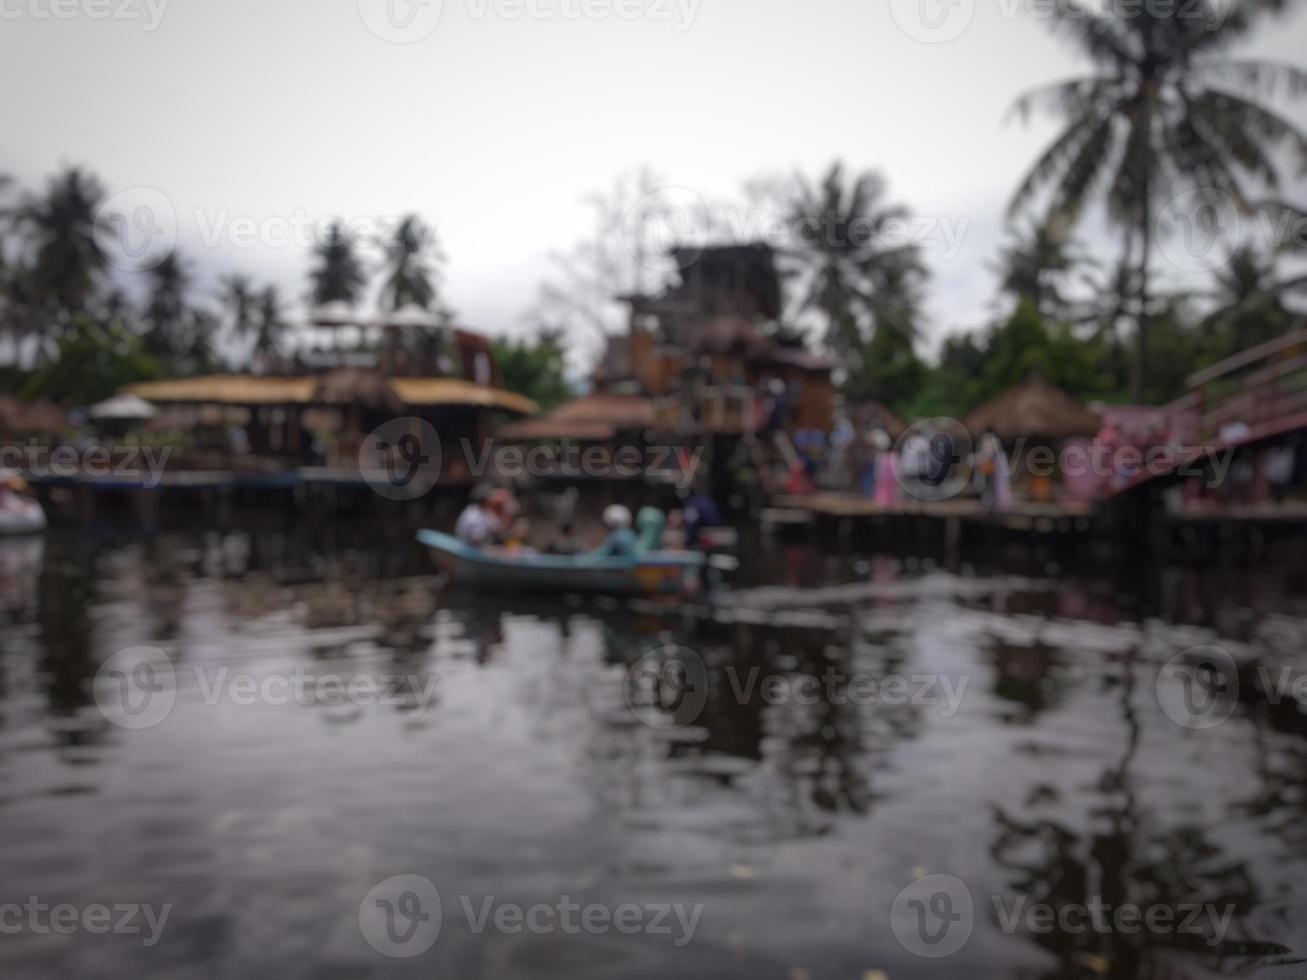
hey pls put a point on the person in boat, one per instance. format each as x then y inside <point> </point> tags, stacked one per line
<point>503,504</point>
<point>674,532</point>
<point>700,512</point>
<point>621,541</point>
<point>515,539</point>
<point>478,525</point>
<point>650,522</point>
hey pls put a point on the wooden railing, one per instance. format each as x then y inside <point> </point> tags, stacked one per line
<point>1264,388</point>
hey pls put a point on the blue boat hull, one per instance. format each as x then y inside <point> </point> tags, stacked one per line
<point>651,574</point>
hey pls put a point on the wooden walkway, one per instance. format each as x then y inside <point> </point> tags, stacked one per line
<point>1020,516</point>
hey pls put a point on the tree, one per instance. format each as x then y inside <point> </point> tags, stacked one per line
<point>536,367</point>
<point>634,223</point>
<point>271,326</point>
<point>237,294</point>
<point>854,282</point>
<point>1249,295</point>
<point>338,276</point>
<point>62,262</point>
<point>868,293</point>
<point>166,309</point>
<point>1162,113</point>
<point>93,361</point>
<point>1038,265</point>
<point>973,368</point>
<point>409,277</point>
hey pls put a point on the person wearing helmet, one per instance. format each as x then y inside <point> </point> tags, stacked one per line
<point>620,542</point>
<point>478,524</point>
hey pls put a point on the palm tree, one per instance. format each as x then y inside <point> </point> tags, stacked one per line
<point>1038,265</point>
<point>409,279</point>
<point>855,282</point>
<point>1162,113</point>
<point>166,310</point>
<point>237,294</point>
<point>339,275</point>
<point>59,226</point>
<point>271,324</point>
<point>1249,297</point>
<point>196,351</point>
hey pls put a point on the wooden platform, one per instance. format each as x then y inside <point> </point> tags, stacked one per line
<point>852,506</point>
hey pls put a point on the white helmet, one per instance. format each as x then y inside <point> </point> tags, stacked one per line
<point>617,517</point>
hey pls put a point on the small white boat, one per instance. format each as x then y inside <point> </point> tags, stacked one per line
<point>19,513</point>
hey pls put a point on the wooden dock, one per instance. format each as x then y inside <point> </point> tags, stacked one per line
<point>1019,516</point>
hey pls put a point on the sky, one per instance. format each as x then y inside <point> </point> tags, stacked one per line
<point>248,121</point>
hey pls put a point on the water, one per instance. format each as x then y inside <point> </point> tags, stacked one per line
<point>531,753</point>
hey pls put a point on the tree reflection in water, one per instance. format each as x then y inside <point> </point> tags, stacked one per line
<point>1130,860</point>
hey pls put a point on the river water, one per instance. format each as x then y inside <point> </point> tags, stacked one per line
<point>858,766</point>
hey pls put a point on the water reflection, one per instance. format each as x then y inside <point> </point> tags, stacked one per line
<point>510,761</point>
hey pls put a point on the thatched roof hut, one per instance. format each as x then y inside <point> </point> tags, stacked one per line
<point>1033,409</point>
<point>358,386</point>
<point>592,418</point>
<point>458,391</point>
<point>228,389</point>
<point>331,389</point>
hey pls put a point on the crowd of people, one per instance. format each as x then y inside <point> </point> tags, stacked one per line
<point>868,462</point>
<point>493,520</point>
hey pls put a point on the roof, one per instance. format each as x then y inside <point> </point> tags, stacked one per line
<point>329,389</point>
<point>337,313</point>
<point>410,316</point>
<point>458,391</point>
<point>357,386</point>
<point>229,389</point>
<point>590,418</point>
<point>123,407</point>
<point>1034,408</point>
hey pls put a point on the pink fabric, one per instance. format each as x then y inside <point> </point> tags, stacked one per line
<point>887,479</point>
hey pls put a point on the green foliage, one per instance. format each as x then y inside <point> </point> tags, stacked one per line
<point>856,282</point>
<point>886,369</point>
<point>1163,111</point>
<point>94,360</point>
<point>338,275</point>
<point>410,279</point>
<point>974,369</point>
<point>535,367</point>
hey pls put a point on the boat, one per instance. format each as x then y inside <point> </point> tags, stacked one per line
<point>19,514</point>
<point>651,574</point>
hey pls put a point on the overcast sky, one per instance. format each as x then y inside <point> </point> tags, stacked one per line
<point>262,113</point>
